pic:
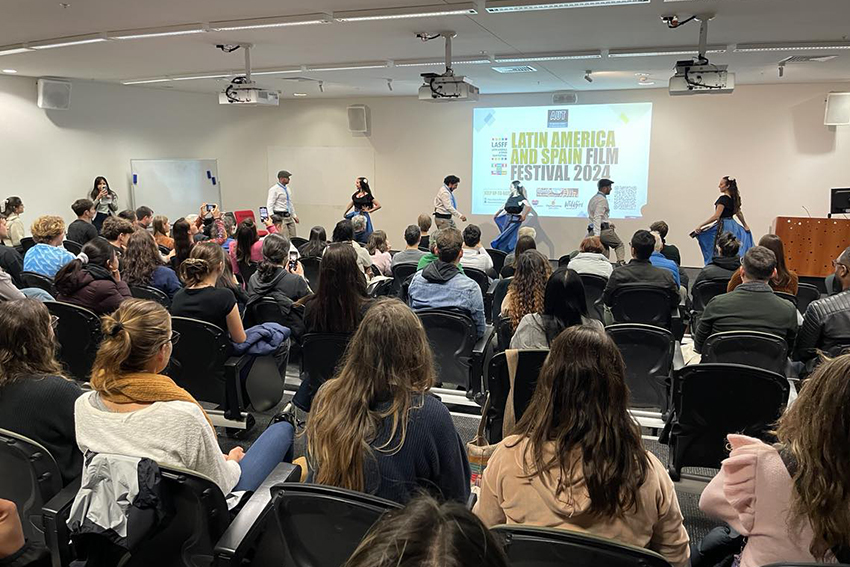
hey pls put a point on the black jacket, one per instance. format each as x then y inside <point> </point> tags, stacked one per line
<point>282,282</point>
<point>12,263</point>
<point>826,324</point>
<point>81,231</point>
<point>641,271</point>
<point>720,268</point>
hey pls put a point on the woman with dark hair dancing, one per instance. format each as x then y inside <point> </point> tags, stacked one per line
<point>725,207</point>
<point>510,217</point>
<point>363,203</point>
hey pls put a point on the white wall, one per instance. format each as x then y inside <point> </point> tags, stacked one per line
<point>771,138</point>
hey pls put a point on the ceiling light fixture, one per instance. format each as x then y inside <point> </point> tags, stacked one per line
<point>464,9</point>
<point>67,41</point>
<point>10,71</point>
<point>157,32</point>
<point>349,67</point>
<point>146,81</point>
<point>435,62</point>
<point>563,56</point>
<point>274,22</point>
<point>195,77</point>
<point>663,51</point>
<point>280,71</point>
<point>500,6</point>
<point>587,76</point>
<point>13,50</point>
<point>801,46</point>
<point>299,94</point>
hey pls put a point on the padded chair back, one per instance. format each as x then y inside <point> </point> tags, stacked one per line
<point>648,354</point>
<point>594,285</point>
<point>452,336</point>
<point>481,278</point>
<point>787,296</point>
<point>151,293</point>
<point>564,260</point>
<point>246,270</point>
<point>642,303</point>
<point>706,290</point>
<point>381,288</point>
<point>197,361</point>
<point>32,279</point>
<point>30,479</point>
<point>400,273</point>
<point>499,293</point>
<point>712,400</point>
<point>72,247</point>
<point>312,266</point>
<point>529,546</point>
<point>27,242</point>
<point>806,293</point>
<point>320,355</point>
<point>266,310</point>
<point>298,241</point>
<point>504,333</point>
<point>79,335</point>
<point>529,364</point>
<point>751,348</point>
<point>498,257</point>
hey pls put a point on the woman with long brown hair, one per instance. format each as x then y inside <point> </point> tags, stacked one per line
<point>785,280</point>
<point>143,265</point>
<point>792,500</point>
<point>161,228</point>
<point>526,292</point>
<point>36,400</point>
<point>576,460</point>
<point>375,428</point>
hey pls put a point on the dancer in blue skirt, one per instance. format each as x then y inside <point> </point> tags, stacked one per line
<point>510,217</point>
<point>726,207</point>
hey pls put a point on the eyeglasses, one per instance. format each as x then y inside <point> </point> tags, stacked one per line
<point>175,336</point>
<point>54,322</point>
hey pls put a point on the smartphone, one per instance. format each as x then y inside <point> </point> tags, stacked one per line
<point>264,213</point>
<point>210,207</point>
<point>293,261</point>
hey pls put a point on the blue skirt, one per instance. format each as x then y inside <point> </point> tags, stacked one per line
<point>368,220</point>
<point>708,238</point>
<point>509,227</point>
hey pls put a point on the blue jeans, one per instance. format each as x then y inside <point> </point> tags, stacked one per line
<point>273,447</point>
<point>37,293</point>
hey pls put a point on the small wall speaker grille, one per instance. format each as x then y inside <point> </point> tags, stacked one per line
<point>358,121</point>
<point>837,109</point>
<point>54,95</point>
<point>564,98</point>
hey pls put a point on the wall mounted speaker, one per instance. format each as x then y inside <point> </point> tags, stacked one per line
<point>53,94</point>
<point>837,109</point>
<point>358,119</point>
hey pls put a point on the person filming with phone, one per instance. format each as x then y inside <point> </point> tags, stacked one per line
<point>280,202</point>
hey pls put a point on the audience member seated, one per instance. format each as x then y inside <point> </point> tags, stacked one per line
<point>229,223</point>
<point>92,280</point>
<point>10,292</point>
<point>344,232</point>
<point>441,285</point>
<point>129,216</point>
<point>725,262</point>
<point>527,288</point>
<point>785,280</point>
<point>424,223</point>
<point>432,254</point>
<point>10,259</point>
<point>658,260</point>
<point>117,232</point>
<point>576,460</point>
<point>36,400</point>
<point>227,280</point>
<point>523,231</point>
<point>564,305</point>
<point>184,241</point>
<point>274,277</point>
<point>161,228</point>
<point>48,255</point>
<point>523,243</point>
<point>752,306</point>
<point>248,247</point>
<point>640,270</point>
<point>168,425</point>
<point>433,534</point>
<point>474,254</point>
<point>379,249</point>
<point>826,323</point>
<point>82,230</point>
<point>792,500</point>
<point>143,265</point>
<point>15,549</point>
<point>361,234</point>
<point>208,225</point>
<point>668,250</point>
<point>341,300</point>
<point>201,299</point>
<point>316,244</point>
<point>13,208</point>
<point>144,218</point>
<point>375,428</point>
<point>591,258</point>
<point>411,253</point>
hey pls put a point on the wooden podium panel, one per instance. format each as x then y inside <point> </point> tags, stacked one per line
<point>811,244</point>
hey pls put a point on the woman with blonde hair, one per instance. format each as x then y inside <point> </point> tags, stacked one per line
<point>792,500</point>
<point>47,256</point>
<point>375,428</point>
<point>528,288</point>
<point>135,410</point>
<point>161,228</point>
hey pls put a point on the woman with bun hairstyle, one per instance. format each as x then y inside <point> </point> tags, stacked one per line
<point>135,410</point>
<point>105,201</point>
<point>92,280</point>
<point>13,208</point>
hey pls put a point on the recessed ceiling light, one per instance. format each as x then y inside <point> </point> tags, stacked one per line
<point>497,6</point>
<point>299,94</point>
<point>464,9</point>
<point>273,22</point>
<point>646,83</point>
<point>10,71</point>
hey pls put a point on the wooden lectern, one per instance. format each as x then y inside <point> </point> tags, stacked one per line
<point>811,244</point>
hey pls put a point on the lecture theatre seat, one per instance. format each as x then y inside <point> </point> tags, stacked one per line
<point>594,286</point>
<point>529,364</point>
<point>78,334</point>
<point>806,293</point>
<point>648,354</point>
<point>150,293</point>
<point>458,353</point>
<point>32,279</point>
<point>401,272</point>
<point>751,348</point>
<point>498,257</point>
<point>642,303</point>
<point>320,356</point>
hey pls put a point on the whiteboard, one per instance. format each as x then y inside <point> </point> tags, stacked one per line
<point>175,187</point>
<point>322,176</point>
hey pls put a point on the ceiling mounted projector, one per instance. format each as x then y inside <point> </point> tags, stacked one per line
<point>699,75</point>
<point>446,87</point>
<point>242,90</point>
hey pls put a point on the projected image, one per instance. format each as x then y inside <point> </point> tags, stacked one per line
<point>559,153</point>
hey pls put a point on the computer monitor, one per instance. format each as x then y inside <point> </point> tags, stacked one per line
<point>839,201</point>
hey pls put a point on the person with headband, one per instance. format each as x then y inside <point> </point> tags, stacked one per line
<point>728,205</point>
<point>363,203</point>
<point>13,208</point>
<point>509,218</point>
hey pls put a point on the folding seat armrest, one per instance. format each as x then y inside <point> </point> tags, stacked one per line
<point>481,344</point>
<point>243,531</point>
<point>233,385</point>
<point>471,501</point>
<point>56,534</point>
<point>678,358</point>
<point>488,300</point>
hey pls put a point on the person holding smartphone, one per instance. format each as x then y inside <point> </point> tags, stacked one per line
<point>105,201</point>
<point>280,202</point>
<point>280,274</point>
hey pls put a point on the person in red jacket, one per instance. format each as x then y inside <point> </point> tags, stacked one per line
<point>92,280</point>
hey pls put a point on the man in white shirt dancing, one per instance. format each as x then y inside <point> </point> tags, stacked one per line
<point>280,202</point>
<point>445,204</point>
<point>597,212</point>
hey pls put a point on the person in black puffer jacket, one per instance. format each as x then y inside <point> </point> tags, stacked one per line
<point>92,280</point>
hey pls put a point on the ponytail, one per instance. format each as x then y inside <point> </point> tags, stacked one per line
<point>96,251</point>
<point>732,187</point>
<point>275,253</point>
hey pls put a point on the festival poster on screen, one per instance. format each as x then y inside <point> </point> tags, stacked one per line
<point>559,153</point>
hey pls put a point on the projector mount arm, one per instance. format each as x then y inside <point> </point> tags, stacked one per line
<point>448,35</point>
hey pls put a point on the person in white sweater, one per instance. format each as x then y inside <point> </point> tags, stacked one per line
<point>591,258</point>
<point>135,411</point>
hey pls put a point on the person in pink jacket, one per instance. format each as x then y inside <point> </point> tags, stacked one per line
<point>248,247</point>
<point>792,500</point>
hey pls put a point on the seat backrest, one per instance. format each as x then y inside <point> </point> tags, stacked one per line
<point>499,293</point>
<point>642,303</point>
<point>298,241</point>
<point>498,257</point>
<point>320,355</point>
<point>648,353</point>
<point>751,348</point>
<point>242,215</point>
<point>79,335</point>
<point>564,260</point>
<point>452,336</point>
<point>151,293</point>
<point>247,269</point>
<point>787,297</point>
<point>32,279</point>
<point>400,273</point>
<point>504,333</point>
<point>380,288</point>
<point>266,310</point>
<point>528,546</point>
<point>27,242</point>
<point>72,247</point>
<point>30,479</point>
<point>479,277</point>
<point>806,293</point>
<point>529,364</point>
<point>594,286</point>
<point>706,290</point>
<point>312,266</point>
<point>197,360</point>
